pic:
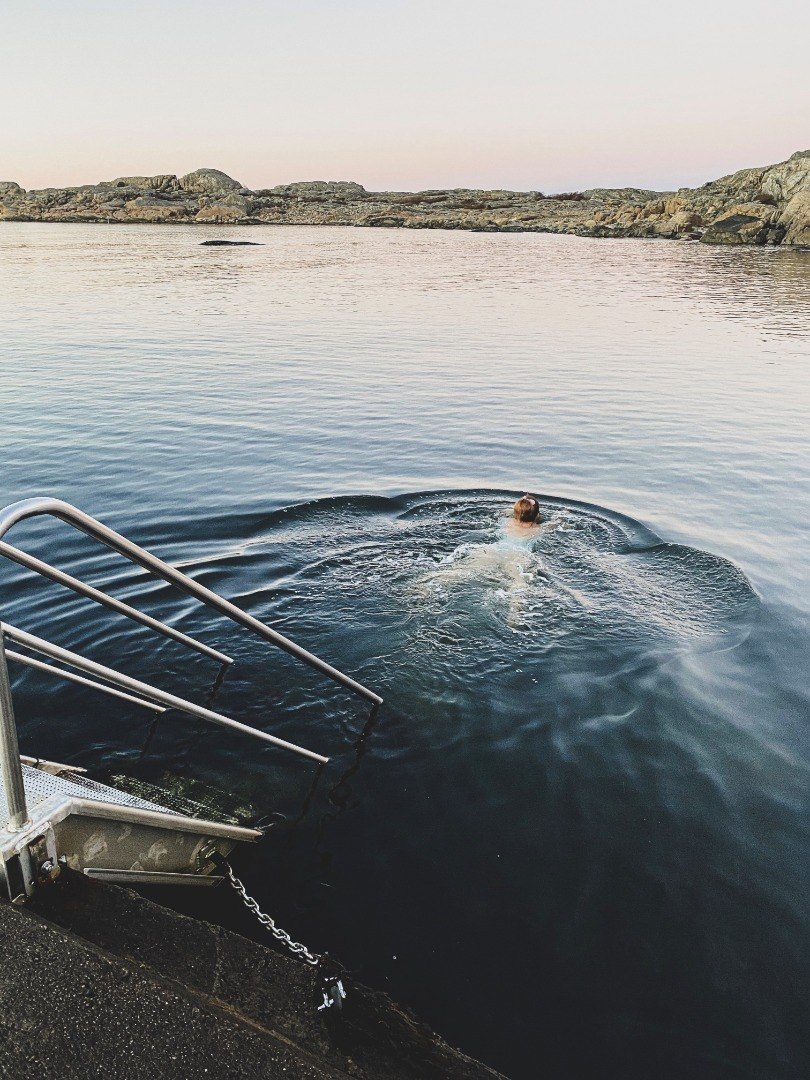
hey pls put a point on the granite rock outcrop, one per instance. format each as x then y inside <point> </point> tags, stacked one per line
<point>768,205</point>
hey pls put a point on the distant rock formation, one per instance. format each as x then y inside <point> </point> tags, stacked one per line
<point>207,182</point>
<point>770,205</point>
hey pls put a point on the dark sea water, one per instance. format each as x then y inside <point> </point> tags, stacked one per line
<point>576,839</point>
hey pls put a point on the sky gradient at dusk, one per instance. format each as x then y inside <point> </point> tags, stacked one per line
<point>403,94</point>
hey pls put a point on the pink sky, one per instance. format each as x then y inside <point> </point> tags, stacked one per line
<point>525,95</point>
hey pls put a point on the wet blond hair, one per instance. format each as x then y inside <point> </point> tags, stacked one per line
<point>527,509</point>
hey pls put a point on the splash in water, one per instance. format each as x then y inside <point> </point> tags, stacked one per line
<point>584,569</point>
<point>506,572</point>
<point>438,591</point>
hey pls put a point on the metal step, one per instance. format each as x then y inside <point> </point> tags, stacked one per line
<point>189,797</point>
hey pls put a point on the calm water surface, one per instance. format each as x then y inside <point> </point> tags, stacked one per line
<point>576,840</point>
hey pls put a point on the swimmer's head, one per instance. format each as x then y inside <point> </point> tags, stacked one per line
<point>527,510</point>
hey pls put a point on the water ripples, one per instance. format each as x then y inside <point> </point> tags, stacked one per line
<point>577,832</point>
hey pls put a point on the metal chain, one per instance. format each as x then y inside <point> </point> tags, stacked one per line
<point>295,947</point>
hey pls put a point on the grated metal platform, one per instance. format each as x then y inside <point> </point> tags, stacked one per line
<point>41,786</point>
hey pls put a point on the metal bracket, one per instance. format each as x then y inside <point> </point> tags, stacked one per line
<point>205,857</point>
<point>334,994</point>
<point>31,863</point>
<point>44,862</point>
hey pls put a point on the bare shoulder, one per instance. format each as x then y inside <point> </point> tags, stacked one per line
<point>520,530</point>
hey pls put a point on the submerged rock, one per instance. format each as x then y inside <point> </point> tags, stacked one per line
<point>769,205</point>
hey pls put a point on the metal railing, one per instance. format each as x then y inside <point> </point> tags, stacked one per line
<point>108,679</point>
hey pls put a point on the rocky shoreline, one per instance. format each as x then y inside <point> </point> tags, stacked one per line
<point>769,205</point>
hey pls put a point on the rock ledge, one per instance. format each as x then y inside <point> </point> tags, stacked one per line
<point>769,205</point>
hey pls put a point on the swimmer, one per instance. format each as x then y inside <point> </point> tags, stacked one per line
<point>525,520</point>
<point>508,564</point>
<point>507,572</point>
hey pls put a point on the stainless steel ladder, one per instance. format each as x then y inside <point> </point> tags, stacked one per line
<point>50,814</point>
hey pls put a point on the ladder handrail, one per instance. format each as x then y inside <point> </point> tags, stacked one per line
<point>30,562</point>
<point>71,515</point>
<point>71,676</point>
<point>144,690</point>
<point>10,766</point>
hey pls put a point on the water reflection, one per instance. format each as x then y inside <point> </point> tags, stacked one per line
<point>576,831</point>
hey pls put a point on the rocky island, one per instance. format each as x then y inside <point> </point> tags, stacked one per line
<point>768,205</point>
